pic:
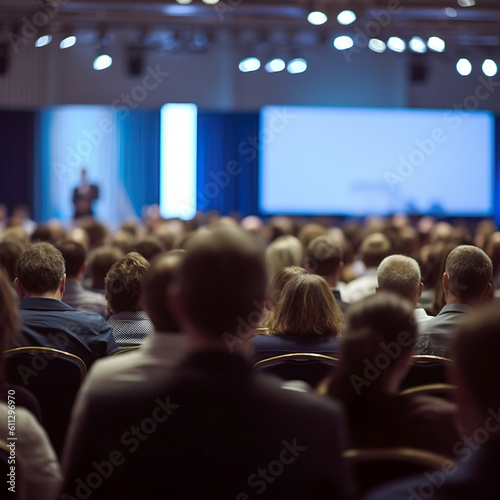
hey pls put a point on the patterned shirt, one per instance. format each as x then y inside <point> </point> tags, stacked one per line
<point>130,329</point>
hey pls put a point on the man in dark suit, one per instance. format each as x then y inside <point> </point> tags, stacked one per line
<point>323,257</point>
<point>210,427</point>
<point>83,196</point>
<point>476,372</point>
<point>466,282</point>
<point>46,320</point>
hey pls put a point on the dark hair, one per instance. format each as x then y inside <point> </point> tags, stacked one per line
<point>374,249</point>
<point>323,257</point>
<point>476,350</point>
<point>100,261</point>
<point>469,271</point>
<point>40,268</point>
<point>222,281</point>
<point>74,255</point>
<point>123,283</point>
<point>155,283</point>
<point>9,253</point>
<point>149,247</point>
<point>380,326</point>
<point>43,233</point>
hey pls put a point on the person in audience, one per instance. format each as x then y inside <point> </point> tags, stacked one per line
<point>74,294</point>
<point>476,371</point>
<point>131,325</point>
<point>281,278</point>
<point>401,275</point>
<point>309,232</point>
<point>306,318</point>
<point>284,251</point>
<point>17,234</point>
<point>492,248</point>
<point>374,249</point>
<point>375,354</point>
<point>324,258</point>
<point>46,320</point>
<point>99,263</point>
<point>466,283</point>
<point>220,429</point>
<point>3,216</point>
<point>160,352</point>
<point>9,333</point>
<point>10,250</point>
<point>149,247</point>
<point>37,472</point>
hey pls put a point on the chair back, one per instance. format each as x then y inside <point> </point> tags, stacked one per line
<point>127,349</point>
<point>54,378</point>
<point>446,391</point>
<point>426,370</point>
<point>309,367</point>
<point>374,467</point>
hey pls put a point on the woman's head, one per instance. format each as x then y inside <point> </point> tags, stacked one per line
<point>306,307</point>
<point>281,278</point>
<point>9,314</point>
<point>283,252</point>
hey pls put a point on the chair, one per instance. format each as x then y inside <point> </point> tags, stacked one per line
<point>127,349</point>
<point>374,467</point>
<point>54,378</point>
<point>446,391</point>
<point>309,367</point>
<point>426,370</point>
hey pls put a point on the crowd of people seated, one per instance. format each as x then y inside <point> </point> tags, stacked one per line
<point>168,323</point>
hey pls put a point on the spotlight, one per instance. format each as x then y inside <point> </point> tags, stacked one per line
<point>43,40</point>
<point>296,66</point>
<point>436,44</point>
<point>464,67</point>
<point>396,44</point>
<point>102,62</point>
<point>466,3</point>
<point>377,45</point>
<point>67,42</point>
<point>343,42</point>
<point>184,2</point>
<point>490,67</point>
<point>346,17</point>
<point>418,45</point>
<point>317,17</point>
<point>249,64</point>
<point>275,65</point>
<point>450,12</point>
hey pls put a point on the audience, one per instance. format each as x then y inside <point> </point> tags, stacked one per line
<point>220,429</point>
<point>466,283</point>
<point>306,318</point>
<point>323,257</point>
<point>401,275</point>
<point>10,250</point>
<point>99,263</point>
<point>375,354</point>
<point>374,249</point>
<point>74,294</point>
<point>46,320</point>
<point>284,251</point>
<point>131,325</point>
<point>476,351</point>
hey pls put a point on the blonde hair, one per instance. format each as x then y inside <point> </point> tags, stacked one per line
<point>306,307</point>
<point>283,252</point>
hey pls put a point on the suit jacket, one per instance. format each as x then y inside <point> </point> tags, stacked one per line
<point>435,335</point>
<point>52,323</point>
<point>267,346</point>
<point>212,428</point>
<point>344,306</point>
<point>476,476</point>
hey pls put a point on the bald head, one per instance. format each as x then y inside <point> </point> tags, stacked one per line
<point>401,275</point>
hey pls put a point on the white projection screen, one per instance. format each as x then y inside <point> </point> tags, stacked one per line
<point>361,161</point>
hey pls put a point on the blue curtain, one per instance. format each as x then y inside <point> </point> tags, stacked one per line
<point>228,155</point>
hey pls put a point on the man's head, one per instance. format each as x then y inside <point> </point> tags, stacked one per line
<point>374,249</point>
<point>476,351</point>
<point>401,275</point>
<point>467,277</point>
<point>74,255</point>
<point>100,261</point>
<point>40,271</point>
<point>323,257</point>
<point>123,283</point>
<point>155,284</point>
<point>222,283</point>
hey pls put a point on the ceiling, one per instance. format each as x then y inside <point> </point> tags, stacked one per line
<point>473,26</point>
